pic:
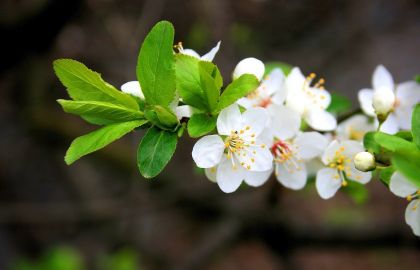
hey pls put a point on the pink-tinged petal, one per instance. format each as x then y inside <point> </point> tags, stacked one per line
<point>208,151</point>
<point>365,97</point>
<point>256,179</point>
<point>310,144</point>
<point>229,120</point>
<point>401,186</point>
<point>285,122</point>
<point>327,183</point>
<point>382,78</point>
<point>229,177</point>
<point>295,179</point>
<point>320,120</point>
<point>412,216</point>
<point>212,53</point>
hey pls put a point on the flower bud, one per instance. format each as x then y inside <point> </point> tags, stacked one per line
<point>383,101</point>
<point>249,66</point>
<point>364,161</point>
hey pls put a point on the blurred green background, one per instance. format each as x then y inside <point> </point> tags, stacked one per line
<point>100,214</point>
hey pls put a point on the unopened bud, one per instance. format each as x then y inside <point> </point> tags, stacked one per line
<point>364,161</point>
<point>383,101</point>
<point>249,66</point>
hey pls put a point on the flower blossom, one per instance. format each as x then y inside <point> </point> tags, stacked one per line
<point>338,157</point>
<point>407,95</point>
<point>310,101</point>
<point>354,128</point>
<point>237,151</point>
<point>402,187</point>
<point>206,57</point>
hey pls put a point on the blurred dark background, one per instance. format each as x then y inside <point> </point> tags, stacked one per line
<point>100,214</point>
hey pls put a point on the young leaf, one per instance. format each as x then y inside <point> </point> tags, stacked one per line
<point>415,125</point>
<point>86,85</point>
<point>339,104</point>
<point>166,116</point>
<point>214,73</point>
<point>237,89</point>
<point>408,163</point>
<point>101,112</point>
<point>188,81</point>
<point>393,143</point>
<point>208,85</point>
<point>155,65</point>
<point>155,150</point>
<point>385,175</point>
<point>201,124</point>
<point>370,144</point>
<point>98,139</point>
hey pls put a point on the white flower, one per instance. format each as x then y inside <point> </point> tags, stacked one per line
<point>239,152</point>
<point>402,187</point>
<point>310,101</point>
<point>134,88</point>
<point>270,91</point>
<point>291,154</point>
<point>207,57</point>
<point>354,128</point>
<point>249,66</point>
<point>364,161</point>
<point>339,159</point>
<point>407,95</point>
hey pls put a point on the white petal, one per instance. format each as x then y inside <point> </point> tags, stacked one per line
<point>313,166</point>
<point>327,183</point>
<point>255,158</point>
<point>351,148</point>
<point>358,176</point>
<point>295,179</point>
<point>412,216</point>
<point>390,125</point>
<point>354,128</point>
<point>212,53</point>
<point>403,117</point>
<point>296,101</point>
<point>247,103</point>
<point>382,78</point>
<point>408,93</point>
<point>285,122</point>
<point>318,98</point>
<point>273,84</point>
<point>320,120</point>
<point>401,186</point>
<point>208,151</point>
<point>310,144</point>
<point>229,178</point>
<point>184,111</point>
<point>365,97</point>
<point>256,179</point>
<point>229,120</point>
<point>132,88</point>
<point>295,80</point>
<point>256,119</point>
<point>190,52</point>
<point>211,173</point>
<point>251,66</point>
<point>329,152</point>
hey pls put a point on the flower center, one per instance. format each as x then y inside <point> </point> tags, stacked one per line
<point>355,134</point>
<point>284,155</point>
<point>414,196</point>
<point>310,90</point>
<point>340,163</point>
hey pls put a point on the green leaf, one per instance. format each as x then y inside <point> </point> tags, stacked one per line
<point>286,68</point>
<point>385,175</point>
<point>238,89</point>
<point>100,112</point>
<point>166,116</point>
<point>213,71</point>
<point>393,143</point>
<point>63,258</point>
<point>415,125</point>
<point>405,134</point>
<point>155,65</point>
<point>408,163</point>
<point>188,82</point>
<point>356,191</point>
<point>208,85</point>
<point>98,139</point>
<point>201,124</point>
<point>155,150</point>
<point>86,85</point>
<point>339,104</point>
<point>370,144</point>
<point>417,78</point>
